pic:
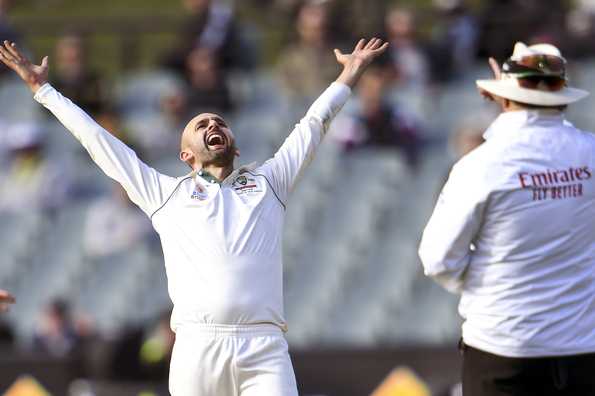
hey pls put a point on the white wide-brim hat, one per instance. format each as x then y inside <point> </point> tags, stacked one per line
<point>508,86</point>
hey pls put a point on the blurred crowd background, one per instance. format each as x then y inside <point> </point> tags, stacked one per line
<point>86,266</point>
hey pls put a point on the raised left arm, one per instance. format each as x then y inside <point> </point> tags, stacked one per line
<point>298,149</point>
<point>145,186</point>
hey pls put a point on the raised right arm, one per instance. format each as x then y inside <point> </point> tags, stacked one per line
<point>145,186</point>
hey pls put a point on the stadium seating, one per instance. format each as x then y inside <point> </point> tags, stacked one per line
<point>352,275</point>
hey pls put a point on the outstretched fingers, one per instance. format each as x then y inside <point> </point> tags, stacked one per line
<point>18,56</point>
<point>11,56</point>
<point>6,56</point>
<point>360,45</point>
<point>369,44</point>
<point>373,44</point>
<point>6,49</point>
<point>12,48</point>
<point>381,49</point>
<point>376,46</point>
<point>33,75</point>
<point>356,62</point>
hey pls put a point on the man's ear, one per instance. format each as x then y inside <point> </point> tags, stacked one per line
<point>505,104</point>
<point>188,157</point>
<point>237,153</point>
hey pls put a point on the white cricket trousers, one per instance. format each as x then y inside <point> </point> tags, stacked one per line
<point>228,360</point>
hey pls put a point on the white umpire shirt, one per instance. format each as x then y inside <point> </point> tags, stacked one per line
<point>514,232</point>
<point>221,242</point>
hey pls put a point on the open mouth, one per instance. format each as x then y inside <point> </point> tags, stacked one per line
<point>216,141</point>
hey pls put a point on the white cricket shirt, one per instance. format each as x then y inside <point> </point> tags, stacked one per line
<point>221,242</point>
<point>514,232</point>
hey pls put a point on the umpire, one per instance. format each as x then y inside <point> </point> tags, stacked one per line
<point>513,232</point>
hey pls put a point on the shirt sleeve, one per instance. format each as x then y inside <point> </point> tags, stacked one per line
<point>445,248</point>
<point>145,186</point>
<point>298,149</point>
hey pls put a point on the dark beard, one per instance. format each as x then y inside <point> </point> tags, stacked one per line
<point>220,158</point>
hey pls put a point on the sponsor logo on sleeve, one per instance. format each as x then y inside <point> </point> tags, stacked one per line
<point>556,183</point>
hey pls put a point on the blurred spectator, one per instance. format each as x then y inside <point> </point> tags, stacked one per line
<point>31,181</point>
<point>407,55</point>
<point>73,77</point>
<point>56,334</point>
<point>454,44</point>
<point>111,121</point>
<point>580,30</point>
<point>348,22</point>
<point>124,363</point>
<point>507,21</point>
<point>213,25</point>
<point>354,19</point>
<point>175,109</point>
<point>379,123</point>
<point>311,52</point>
<point>203,89</point>
<point>7,32</point>
<point>145,141</point>
<point>114,225</point>
<point>163,137</point>
<point>283,6</point>
<point>502,22</point>
<point>6,333</point>
<point>207,88</point>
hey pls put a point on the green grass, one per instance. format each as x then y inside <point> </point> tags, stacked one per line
<point>74,8</point>
<point>41,23</point>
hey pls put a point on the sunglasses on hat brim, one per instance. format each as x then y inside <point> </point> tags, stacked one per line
<point>542,83</point>
<point>536,65</point>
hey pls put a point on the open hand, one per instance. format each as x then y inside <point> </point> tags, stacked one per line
<point>5,299</point>
<point>355,63</point>
<point>33,75</point>
<point>363,52</point>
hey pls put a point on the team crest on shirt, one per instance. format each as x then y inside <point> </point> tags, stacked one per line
<point>241,180</point>
<point>245,184</point>
<point>200,193</point>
